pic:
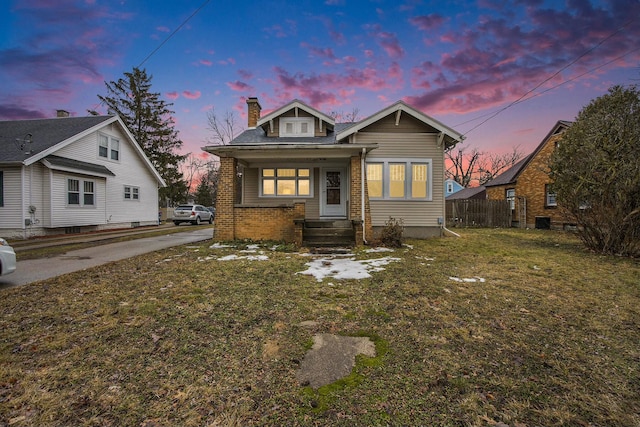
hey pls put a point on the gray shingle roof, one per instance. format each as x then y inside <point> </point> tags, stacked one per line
<point>45,133</point>
<point>78,164</point>
<point>466,193</point>
<point>258,136</point>
<point>510,175</point>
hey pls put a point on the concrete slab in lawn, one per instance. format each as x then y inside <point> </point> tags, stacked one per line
<point>331,358</point>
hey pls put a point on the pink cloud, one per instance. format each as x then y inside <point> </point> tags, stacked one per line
<point>245,74</point>
<point>206,62</point>
<point>388,41</point>
<point>239,86</point>
<point>191,95</point>
<point>163,29</point>
<point>172,95</point>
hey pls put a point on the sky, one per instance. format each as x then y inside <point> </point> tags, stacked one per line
<point>500,72</point>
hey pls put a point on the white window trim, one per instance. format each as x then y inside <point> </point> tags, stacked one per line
<point>297,123</point>
<point>81,193</point>
<point>408,178</point>
<point>275,168</point>
<point>110,143</point>
<point>131,192</point>
<point>548,193</point>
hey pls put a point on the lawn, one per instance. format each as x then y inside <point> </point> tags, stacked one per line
<point>520,327</point>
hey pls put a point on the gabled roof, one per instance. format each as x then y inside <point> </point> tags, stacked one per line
<point>450,136</point>
<point>258,136</point>
<point>26,142</point>
<point>510,176</point>
<point>43,134</point>
<point>292,105</point>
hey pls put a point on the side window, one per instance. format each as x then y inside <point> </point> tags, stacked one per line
<point>108,147</point>
<point>511,197</point>
<point>131,193</point>
<point>73,191</point>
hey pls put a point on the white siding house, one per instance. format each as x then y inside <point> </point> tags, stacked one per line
<point>73,174</point>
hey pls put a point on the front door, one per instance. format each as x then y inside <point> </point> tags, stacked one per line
<point>334,190</point>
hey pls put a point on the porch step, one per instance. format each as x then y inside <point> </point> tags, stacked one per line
<point>320,233</point>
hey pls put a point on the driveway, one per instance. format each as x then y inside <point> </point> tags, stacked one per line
<point>45,268</point>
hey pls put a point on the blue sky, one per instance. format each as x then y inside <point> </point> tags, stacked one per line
<point>457,61</point>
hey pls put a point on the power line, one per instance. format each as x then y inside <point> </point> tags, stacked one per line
<point>520,101</point>
<point>511,104</point>
<point>173,33</point>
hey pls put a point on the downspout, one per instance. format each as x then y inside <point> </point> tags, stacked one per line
<point>362,177</point>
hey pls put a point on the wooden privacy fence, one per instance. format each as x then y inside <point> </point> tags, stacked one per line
<point>478,213</point>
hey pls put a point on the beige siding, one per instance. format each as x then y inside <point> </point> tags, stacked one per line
<point>409,146</point>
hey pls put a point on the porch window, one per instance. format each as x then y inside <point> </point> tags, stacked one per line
<point>285,182</point>
<point>399,179</point>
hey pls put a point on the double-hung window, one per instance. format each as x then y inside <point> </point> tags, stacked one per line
<point>511,198</point>
<point>399,179</point>
<point>80,192</point>
<point>550,196</point>
<point>285,182</point>
<point>131,193</point>
<point>108,147</point>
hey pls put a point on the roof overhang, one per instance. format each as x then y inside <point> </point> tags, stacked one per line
<point>76,166</point>
<point>447,135</point>
<point>288,151</point>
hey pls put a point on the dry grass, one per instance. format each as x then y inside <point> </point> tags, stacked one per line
<point>550,337</point>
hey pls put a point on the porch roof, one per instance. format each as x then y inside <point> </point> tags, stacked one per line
<point>288,151</point>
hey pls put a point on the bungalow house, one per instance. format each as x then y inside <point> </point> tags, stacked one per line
<point>73,174</point>
<point>309,180</point>
<point>528,187</point>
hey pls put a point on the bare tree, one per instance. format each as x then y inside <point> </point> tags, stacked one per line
<point>465,167</point>
<point>490,165</point>
<point>223,129</point>
<point>341,116</point>
<point>194,167</point>
<point>462,165</point>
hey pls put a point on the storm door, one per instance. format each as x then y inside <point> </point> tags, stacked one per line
<point>333,192</point>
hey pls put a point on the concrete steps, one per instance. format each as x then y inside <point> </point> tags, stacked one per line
<point>328,233</point>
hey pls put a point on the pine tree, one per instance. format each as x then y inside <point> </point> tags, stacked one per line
<point>150,121</point>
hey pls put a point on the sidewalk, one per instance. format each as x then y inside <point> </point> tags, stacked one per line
<point>96,236</point>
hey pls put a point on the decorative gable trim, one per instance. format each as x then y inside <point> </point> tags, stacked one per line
<point>296,105</point>
<point>449,135</point>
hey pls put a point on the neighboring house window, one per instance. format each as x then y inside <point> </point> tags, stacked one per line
<point>550,196</point>
<point>1,188</point>
<point>80,195</point>
<point>285,182</point>
<point>449,187</point>
<point>131,193</point>
<point>108,147</point>
<point>296,126</point>
<point>511,197</point>
<point>399,180</point>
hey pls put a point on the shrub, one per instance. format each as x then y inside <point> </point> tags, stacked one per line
<point>391,235</point>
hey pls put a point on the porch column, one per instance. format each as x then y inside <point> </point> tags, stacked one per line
<point>224,223</point>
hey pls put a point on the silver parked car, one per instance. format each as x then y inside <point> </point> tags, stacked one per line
<point>7,258</point>
<point>195,214</point>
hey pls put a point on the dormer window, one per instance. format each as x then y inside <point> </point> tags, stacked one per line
<point>296,126</point>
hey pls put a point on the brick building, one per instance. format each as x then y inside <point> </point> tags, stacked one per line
<point>528,187</point>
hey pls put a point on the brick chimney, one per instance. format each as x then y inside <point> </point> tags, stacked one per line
<point>253,110</point>
<point>62,113</point>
